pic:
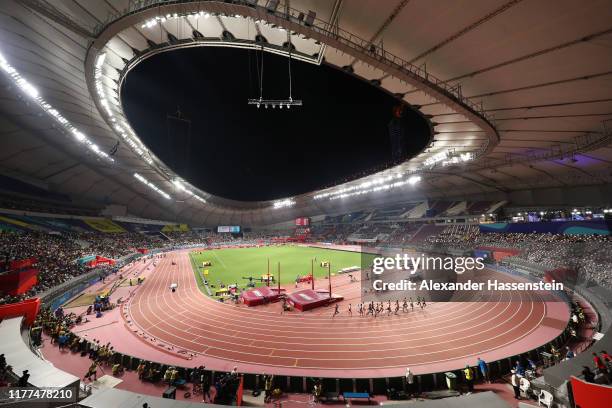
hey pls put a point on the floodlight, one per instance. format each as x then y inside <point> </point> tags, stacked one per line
<point>28,88</point>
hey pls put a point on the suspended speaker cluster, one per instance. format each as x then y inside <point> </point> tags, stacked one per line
<point>274,103</point>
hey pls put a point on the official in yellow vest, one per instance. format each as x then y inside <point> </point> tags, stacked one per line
<point>469,378</point>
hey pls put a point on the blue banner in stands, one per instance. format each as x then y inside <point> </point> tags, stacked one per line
<point>569,227</point>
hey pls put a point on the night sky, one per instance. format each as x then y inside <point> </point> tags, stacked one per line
<point>240,152</point>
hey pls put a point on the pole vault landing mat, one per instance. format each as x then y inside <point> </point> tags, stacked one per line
<point>259,296</point>
<point>308,299</point>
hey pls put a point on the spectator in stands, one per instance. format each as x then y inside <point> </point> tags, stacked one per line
<point>153,374</point>
<point>469,378</point>
<point>484,370</point>
<point>62,340</point>
<point>93,349</point>
<point>204,382</point>
<point>23,380</point>
<point>75,344</point>
<point>92,371</point>
<point>317,390</point>
<point>598,362</point>
<point>57,253</point>
<point>174,375</point>
<point>548,250</point>
<point>117,369</point>
<point>141,369</point>
<point>409,382</point>
<point>515,380</point>
<point>4,376</point>
<point>555,353</point>
<point>193,377</point>
<point>268,382</point>
<point>168,374</point>
<point>520,370</point>
<point>601,367</point>
<point>588,374</point>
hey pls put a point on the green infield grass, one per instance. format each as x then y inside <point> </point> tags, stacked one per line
<point>234,264</point>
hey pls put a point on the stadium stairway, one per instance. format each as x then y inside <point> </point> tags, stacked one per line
<point>417,212</point>
<point>458,208</point>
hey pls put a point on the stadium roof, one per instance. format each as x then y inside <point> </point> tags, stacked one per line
<point>517,93</point>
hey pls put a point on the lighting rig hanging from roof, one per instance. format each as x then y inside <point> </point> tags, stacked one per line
<point>281,103</point>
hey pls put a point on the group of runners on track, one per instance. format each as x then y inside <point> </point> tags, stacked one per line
<point>379,308</point>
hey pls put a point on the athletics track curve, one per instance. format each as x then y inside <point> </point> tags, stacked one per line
<point>443,336</point>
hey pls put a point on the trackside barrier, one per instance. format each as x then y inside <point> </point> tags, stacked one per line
<point>378,386</point>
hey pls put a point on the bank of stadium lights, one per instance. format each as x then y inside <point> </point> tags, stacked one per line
<point>32,92</point>
<point>152,22</point>
<point>100,87</point>
<point>152,186</point>
<point>447,158</point>
<point>456,159</point>
<point>283,203</point>
<point>378,184</point>
<point>125,132</point>
<point>99,62</point>
<point>130,140</point>
<point>162,19</point>
<point>383,187</point>
<point>180,186</point>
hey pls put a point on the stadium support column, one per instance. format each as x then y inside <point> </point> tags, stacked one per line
<point>312,273</point>
<point>329,277</point>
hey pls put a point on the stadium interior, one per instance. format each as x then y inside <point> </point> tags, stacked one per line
<point>194,196</point>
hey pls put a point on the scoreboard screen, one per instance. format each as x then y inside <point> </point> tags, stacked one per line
<point>302,221</point>
<point>234,229</point>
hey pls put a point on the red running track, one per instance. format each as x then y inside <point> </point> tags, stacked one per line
<point>443,336</point>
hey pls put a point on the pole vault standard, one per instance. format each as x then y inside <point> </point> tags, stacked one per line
<point>329,277</point>
<point>312,273</point>
<point>268,275</point>
<point>279,290</point>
